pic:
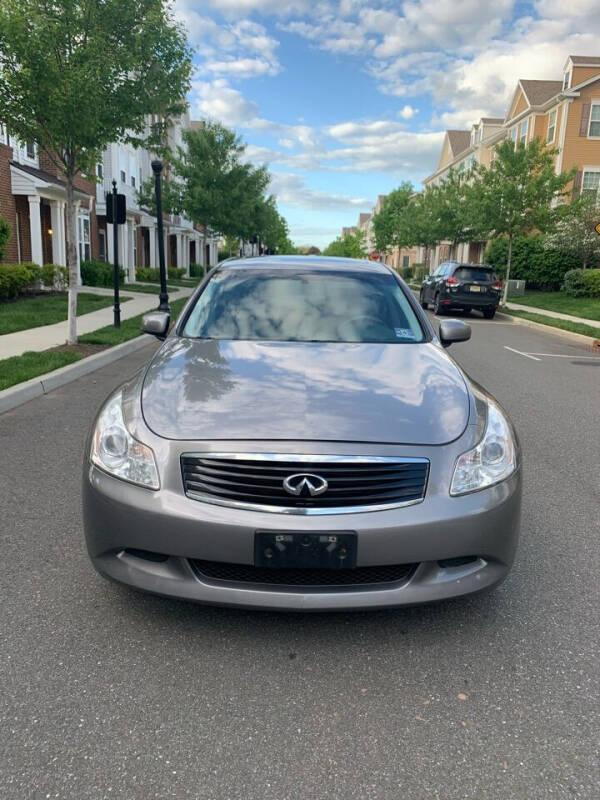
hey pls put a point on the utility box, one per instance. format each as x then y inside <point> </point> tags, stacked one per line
<point>516,288</point>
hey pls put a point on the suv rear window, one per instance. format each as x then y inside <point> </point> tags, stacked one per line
<point>475,274</point>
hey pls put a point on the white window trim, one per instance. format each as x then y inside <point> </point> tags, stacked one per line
<point>555,112</point>
<point>595,101</point>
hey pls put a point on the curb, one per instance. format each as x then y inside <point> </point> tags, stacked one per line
<point>580,338</point>
<point>36,387</point>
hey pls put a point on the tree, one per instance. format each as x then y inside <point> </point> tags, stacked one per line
<point>421,220</point>
<point>390,223</point>
<point>515,194</point>
<point>454,208</point>
<point>351,245</point>
<point>79,74</point>
<point>211,184</point>
<point>575,232</point>
<point>4,235</point>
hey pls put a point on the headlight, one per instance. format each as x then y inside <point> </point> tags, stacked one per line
<point>116,451</point>
<point>492,461</point>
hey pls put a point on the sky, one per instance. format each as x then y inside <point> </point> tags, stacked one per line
<point>344,99</point>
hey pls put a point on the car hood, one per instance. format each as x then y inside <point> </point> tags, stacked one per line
<point>385,393</point>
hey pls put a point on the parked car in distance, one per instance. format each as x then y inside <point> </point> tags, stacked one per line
<point>302,440</point>
<point>462,286</point>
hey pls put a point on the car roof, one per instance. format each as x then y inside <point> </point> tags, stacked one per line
<point>306,263</point>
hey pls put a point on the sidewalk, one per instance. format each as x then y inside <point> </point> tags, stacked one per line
<point>556,314</point>
<point>46,336</point>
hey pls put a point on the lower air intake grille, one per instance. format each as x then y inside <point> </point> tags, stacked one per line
<point>265,577</point>
<point>315,484</point>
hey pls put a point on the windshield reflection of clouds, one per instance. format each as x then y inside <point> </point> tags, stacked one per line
<point>314,306</point>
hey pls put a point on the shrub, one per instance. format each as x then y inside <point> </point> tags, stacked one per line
<point>420,271</point>
<point>407,273</point>
<point>582,283</point>
<point>17,278</point>
<point>4,235</point>
<point>197,270</point>
<point>153,275</point>
<point>54,276</point>
<point>542,269</point>
<point>99,273</point>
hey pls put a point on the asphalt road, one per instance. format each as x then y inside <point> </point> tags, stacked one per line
<point>107,693</point>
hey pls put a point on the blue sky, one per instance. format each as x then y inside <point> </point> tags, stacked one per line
<point>344,99</point>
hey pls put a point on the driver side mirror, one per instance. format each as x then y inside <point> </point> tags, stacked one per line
<point>156,323</point>
<point>454,330</point>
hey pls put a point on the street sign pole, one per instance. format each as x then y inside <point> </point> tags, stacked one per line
<point>117,307</point>
<point>163,297</point>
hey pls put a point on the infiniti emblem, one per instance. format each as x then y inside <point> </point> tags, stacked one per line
<point>303,483</point>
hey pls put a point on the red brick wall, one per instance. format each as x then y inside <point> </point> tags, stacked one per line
<point>7,203</point>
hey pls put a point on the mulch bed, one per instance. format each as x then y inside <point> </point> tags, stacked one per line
<point>83,348</point>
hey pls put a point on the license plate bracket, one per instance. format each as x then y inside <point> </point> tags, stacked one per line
<point>299,549</point>
<point>475,288</point>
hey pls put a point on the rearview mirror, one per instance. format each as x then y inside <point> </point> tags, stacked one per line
<point>156,323</point>
<point>454,330</point>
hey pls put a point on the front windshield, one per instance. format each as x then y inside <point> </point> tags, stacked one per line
<point>304,306</point>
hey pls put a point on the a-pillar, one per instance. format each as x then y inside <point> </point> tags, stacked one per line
<point>35,228</point>
<point>57,217</point>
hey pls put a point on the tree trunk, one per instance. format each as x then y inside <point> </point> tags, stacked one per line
<point>505,293</point>
<point>584,262</point>
<point>72,260</point>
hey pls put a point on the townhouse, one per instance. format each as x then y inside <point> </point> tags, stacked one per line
<point>33,199</point>
<point>564,113</point>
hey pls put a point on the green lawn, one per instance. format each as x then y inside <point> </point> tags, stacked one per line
<point>29,365</point>
<point>586,307</point>
<point>130,328</point>
<point>23,313</point>
<point>553,322</point>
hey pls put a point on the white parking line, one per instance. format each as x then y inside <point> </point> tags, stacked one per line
<point>526,355</point>
<point>562,355</point>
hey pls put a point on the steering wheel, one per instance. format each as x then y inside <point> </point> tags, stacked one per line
<point>374,322</point>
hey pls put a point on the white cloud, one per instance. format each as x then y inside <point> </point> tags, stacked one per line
<point>216,100</point>
<point>408,112</point>
<point>292,190</point>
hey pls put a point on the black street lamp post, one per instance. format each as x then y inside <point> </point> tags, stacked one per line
<point>164,297</point>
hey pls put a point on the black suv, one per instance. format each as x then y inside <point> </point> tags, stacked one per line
<point>462,286</point>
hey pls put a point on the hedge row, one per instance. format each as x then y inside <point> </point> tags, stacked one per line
<point>197,270</point>
<point>99,273</point>
<point>153,275</point>
<point>16,279</point>
<point>582,283</point>
<point>542,269</point>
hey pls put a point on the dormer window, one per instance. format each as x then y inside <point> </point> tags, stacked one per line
<point>567,80</point>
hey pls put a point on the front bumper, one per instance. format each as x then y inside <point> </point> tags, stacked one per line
<point>119,517</point>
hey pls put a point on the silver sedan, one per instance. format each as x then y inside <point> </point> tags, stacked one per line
<point>302,440</point>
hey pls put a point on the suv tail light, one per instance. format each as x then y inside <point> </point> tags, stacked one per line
<point>497,285</point>
<point>452,281</point>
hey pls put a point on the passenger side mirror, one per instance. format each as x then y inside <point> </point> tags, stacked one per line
<point>156,323</point>
<point>454,330</point>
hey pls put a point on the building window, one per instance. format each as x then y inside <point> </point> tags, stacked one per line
<point>513,133</point>
<point>30,150</point>
<point>84,237</point>
<point>523,132</point>
<point>551,126</point>
<point>567,80</point>
<point>99,170</point>
<point>591,181</point>
<point>102,244</point>
<point>133,181</point>
<point>123,176</point>
<point>405,261</point>
<point>594,120</point>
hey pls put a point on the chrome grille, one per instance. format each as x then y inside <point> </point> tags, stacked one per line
<point>255,481</point>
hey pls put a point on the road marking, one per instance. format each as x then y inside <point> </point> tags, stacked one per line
<point>562,355</point>
<point>512,349</point>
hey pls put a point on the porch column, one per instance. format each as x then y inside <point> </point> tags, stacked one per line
<point>77,208</point>
<point>153,246</point>
<point>57,219</point>
<point>124,249</point>
<point>35,228</point>
<point>179,242</point>
<point>132,233</point>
